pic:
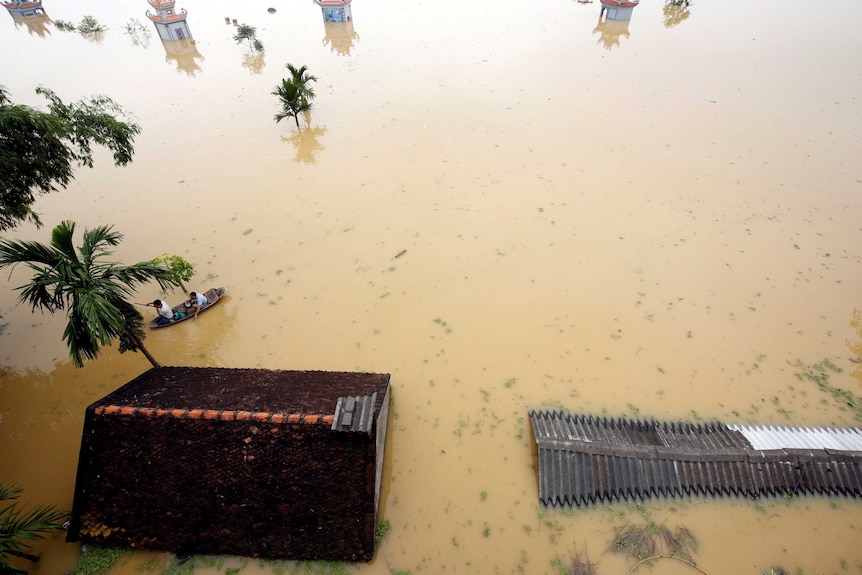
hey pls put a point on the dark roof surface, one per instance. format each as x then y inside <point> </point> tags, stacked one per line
<point>585,460</point>
<point>253,462</point>
<point>254,390</point>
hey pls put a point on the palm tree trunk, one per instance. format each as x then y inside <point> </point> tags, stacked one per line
<point>148,355</point>
<point>140,345</point>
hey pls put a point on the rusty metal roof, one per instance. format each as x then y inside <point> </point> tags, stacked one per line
<point>585,460</point>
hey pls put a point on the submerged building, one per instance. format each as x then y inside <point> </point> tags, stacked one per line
<point>170,24</point>
<point>250,462</point>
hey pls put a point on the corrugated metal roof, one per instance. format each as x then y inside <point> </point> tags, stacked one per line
<point>354,413</point>
<point>585,460</point>
<point>777,437</point>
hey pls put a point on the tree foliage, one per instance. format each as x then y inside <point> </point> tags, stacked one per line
<point>180,269</point>
<point>20,528</point>
<point>40,149</point>
<point>295,93</point>
<point>246,33</point>
<point>89,25</point>
<point>92,291</point>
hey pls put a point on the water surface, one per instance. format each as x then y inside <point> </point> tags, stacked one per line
<point>654,219</point>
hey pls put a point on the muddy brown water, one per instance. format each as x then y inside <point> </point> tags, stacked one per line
<point>658,218</point>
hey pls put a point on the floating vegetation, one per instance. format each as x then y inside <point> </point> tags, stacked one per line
<point>819,374</point>
<point>649,542</point>
<point>89,25</point>
<point>381,530</point>
<point>139,34</point>
<point>64,25</point>
<point>97,560</point>
<point>581,565</point>
<point>443,324</point>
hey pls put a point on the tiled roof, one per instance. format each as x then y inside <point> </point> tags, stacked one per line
<point>235,461</point>
<point>585,460</point>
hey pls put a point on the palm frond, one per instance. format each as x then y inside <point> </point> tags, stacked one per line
<point>19,528</point>
<point>93,290</point>
<point>61,240</point>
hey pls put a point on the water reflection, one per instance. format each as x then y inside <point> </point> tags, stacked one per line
<point>614,17</point>
<point>254,61</point>
<point>855,346</point>
<point>610,31</point>
<point>183,54</point>
<point>173,28</point>
<point>340,36</point>
<point>29,14</point>
<point>675,12</point>
<point>306,142</point>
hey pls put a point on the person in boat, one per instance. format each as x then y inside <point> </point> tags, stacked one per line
<point>166,314</point>
<point>198,301</point>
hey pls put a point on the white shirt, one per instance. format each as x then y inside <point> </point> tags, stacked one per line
<point>166,311</point>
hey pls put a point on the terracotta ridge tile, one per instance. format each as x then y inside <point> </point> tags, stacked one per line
<point>214,414</point>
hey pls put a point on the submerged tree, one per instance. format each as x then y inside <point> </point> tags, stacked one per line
<point>180,269</point>
<point>18,528</point>
<point>39,150</point>
<point>92,291</point>
<point>246,33</point>
<point>89,25</point>
<point>64,25</point>
<point>295,93</point>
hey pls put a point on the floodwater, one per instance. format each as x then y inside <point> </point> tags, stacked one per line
<point>656,219</point>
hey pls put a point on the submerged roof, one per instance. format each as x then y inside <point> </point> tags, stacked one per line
<point>254,462</point>
<point>585,460</point>
<point>250,390</point>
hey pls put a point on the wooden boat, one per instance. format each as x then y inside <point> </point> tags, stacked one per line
<point>185,310</point>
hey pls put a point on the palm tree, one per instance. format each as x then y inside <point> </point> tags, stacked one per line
<point>92,291</point>
<point>18,527</point>
<point>295,93</point>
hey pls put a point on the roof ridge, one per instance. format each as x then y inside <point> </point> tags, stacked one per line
<point>217,414</point>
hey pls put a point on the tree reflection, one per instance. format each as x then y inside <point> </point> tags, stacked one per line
<point>675,12</point>
<point>254,62</point>
<point>306,142</point>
